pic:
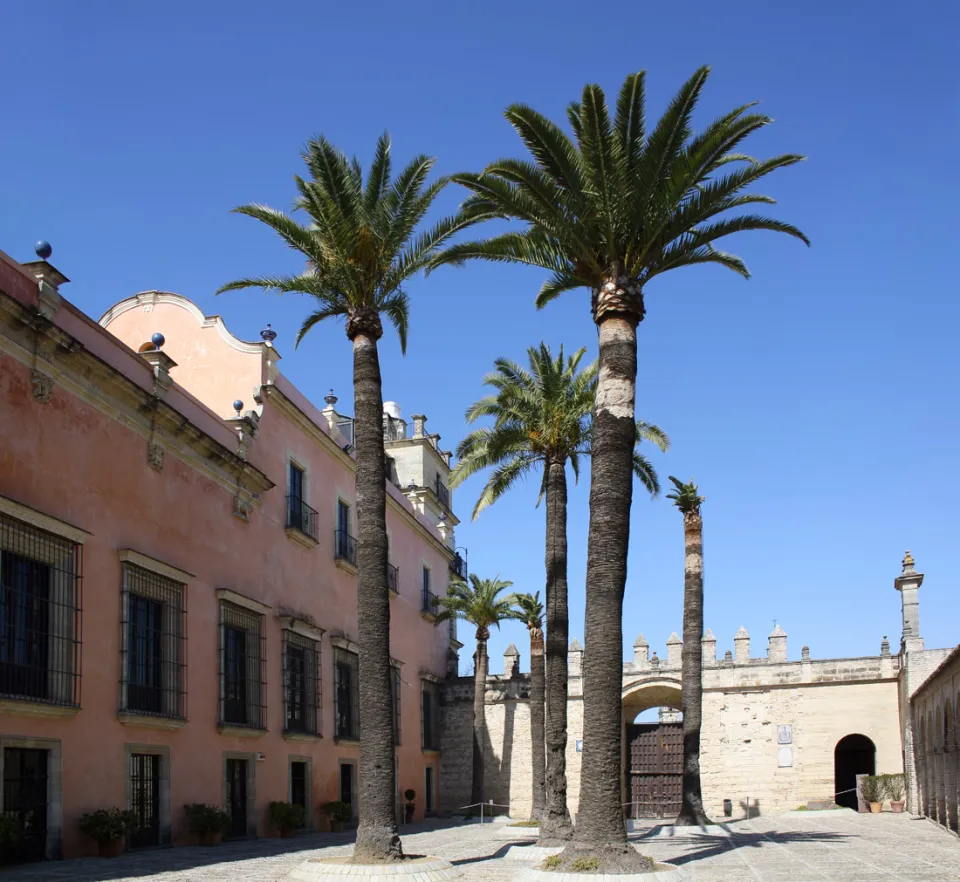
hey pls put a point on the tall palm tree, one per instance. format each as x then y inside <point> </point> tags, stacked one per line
<point>361,245</point>
<point>542,419</point>
<point>479,603</point>
<point>687,499</point>
<point>530,612</point>
<point>610,210</point>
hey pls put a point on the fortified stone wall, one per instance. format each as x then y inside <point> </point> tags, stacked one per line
<point>745,704</point>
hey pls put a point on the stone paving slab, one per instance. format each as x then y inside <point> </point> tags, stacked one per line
<point>793,847</point>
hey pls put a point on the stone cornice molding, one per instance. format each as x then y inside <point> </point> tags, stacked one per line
<point>35,518</point>
<point>238,599</point>
<point>62,360</point>
<point>345,643</point>
<point>128,555</point>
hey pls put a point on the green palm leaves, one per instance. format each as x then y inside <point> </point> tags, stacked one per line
<point>541,414</point>
<point>616,199</point>
<point>477,602</point>
<point>686,497</point>
<point>361,241</point>
<point>529,610</point>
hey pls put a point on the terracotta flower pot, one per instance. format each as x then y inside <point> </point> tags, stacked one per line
<point>896,807</point>
<point>111,847</point>
<point>875,807</point>
<point>210,838</point>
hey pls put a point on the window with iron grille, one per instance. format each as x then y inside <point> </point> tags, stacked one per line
<point>430,715</point>
<point>39,615</point>
<point>243,688</point>
<point>395,695</point>
<point>153,650</point>
<point>301,684</point>
<point>346,694</point>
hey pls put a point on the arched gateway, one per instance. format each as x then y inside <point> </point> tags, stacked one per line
<point>652,752</point>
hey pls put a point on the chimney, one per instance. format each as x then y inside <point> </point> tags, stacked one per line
<point>908,584</point>
<point>641,652</point>
<point>419,422</point>
<point>777,645</point>
<point>708,646</point>
<point>511,662</point>
<point>575,659</point>
<point>741,647</point>
<point>674,650</point>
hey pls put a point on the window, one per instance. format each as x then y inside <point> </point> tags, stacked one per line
<point>429,787</point>
<point>345,546</point>
<point>429,604</point>
<point>296,482</point>
<point>430,715</point>
<point>242,686</point>
<point>346,694</point>
<point>300,516</point>
<point>395,695</point>
<point>299,787</point>
<point>301,663</point>
<point>39,615</point>
<point>153,651</point>
<point>145,799</point>
<point>25,794</point>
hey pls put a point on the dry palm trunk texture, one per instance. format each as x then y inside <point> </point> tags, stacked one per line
<point>481,665</point>
<point>691,689</point>
<point>537,749</point>
<point>555,826</point>
<point>377,836</point>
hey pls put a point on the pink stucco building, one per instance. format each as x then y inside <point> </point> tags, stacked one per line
<point>178,601</point>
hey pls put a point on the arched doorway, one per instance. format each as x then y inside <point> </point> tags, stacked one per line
<point>653,748</point>
<point>854,755</point>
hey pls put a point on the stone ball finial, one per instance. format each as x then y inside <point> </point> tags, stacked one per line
<point>158,340</point>
<point>238,406</point>
<point>43,249</point>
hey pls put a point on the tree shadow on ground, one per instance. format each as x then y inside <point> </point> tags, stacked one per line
<point>159,861</point>
<point>699,846</point>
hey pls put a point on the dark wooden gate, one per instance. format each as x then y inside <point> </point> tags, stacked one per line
<point>655,769</point>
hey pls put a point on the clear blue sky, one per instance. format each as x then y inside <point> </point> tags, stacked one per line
<point>816,405</point>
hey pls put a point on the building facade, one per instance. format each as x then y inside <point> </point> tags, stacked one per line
<point>776,734</point>
<point>178,617</point>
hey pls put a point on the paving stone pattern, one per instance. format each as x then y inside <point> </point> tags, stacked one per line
<point>836,846</point>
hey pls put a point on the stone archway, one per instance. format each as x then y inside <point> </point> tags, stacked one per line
<point>652,753</point>
<point>854,755</point>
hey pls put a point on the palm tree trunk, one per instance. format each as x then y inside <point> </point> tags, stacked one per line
<point>691,689</point>
<point>480,667</point>
<point>600,819</point>
<point>538,748</point>
<point>377,836</point>
<point>555,826</point>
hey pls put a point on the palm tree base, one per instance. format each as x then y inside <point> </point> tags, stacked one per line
<point>343,869</point>
<point>693,820</point>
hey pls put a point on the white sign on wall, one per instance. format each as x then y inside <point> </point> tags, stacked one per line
<point>785,757</point>
<point>785,734</point>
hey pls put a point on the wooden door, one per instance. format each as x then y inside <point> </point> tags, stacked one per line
<point>655,769</point>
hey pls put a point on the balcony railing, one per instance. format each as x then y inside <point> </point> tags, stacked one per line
<point>393,578</point>
<point>443,494</point>
<point>431,603</point>
<point>458,566</point>
<point>303,518</point>
<point>345,547</point>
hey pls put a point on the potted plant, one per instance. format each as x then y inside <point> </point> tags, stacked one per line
<point>287,817</point>
<point>872,790</point>
<point>409,806</point>
<point>9,835</point>
<point>206,822</point>
<point>895,790</point>
<point>108,827</point>
<point>339,813</point>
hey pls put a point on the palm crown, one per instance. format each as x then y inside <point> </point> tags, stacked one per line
<point>360,243</point>
<point>616,206</point>
<point>686,497</point>
<point>541,415</point>
<point>477,602</point>
<point>529,610</point>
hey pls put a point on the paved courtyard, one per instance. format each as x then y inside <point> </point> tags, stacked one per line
<point>807,847</point>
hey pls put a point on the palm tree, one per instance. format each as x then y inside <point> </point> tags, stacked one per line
<point>542,419</point>
<point>687,499</point>
<point>479,604</point>
<point>530,612</point>
<point>610,210</point>
<point>361,245</point>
